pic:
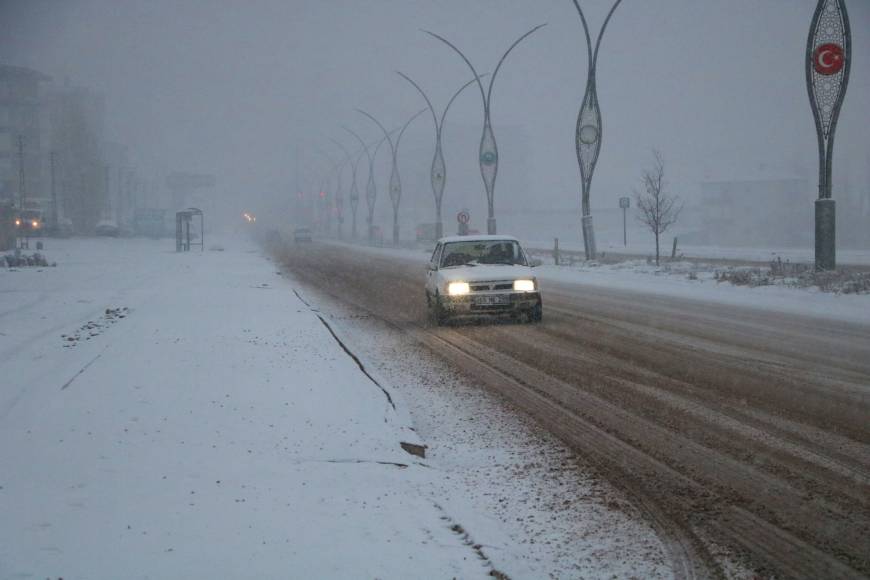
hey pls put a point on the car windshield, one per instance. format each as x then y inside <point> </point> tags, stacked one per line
<point>474,252</point>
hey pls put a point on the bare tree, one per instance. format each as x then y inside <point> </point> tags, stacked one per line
<point>656,209</point>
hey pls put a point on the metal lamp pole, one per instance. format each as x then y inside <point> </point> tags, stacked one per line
<point>354,195</point>
<point>336,167</point>
<point>828,61</point>
<point>589,130</point>
<point>395,181</point>
<point>488,153</point>
<point>438,173</point>
<point>371,188</point>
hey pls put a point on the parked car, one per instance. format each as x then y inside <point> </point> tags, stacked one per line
<point>302,235</point>
<point>107,228</point>
<point>484,275</point>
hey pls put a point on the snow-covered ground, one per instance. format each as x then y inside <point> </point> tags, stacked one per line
<point>170,415</point>
<point>646,247</point>
<point>672,279</point>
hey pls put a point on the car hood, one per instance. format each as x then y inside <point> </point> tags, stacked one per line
<point>484,272</point>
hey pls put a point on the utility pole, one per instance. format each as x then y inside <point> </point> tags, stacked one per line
<point>54,215</point>
<point>21,183</point>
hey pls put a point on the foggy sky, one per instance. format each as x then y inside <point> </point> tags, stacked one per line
<point>233,88</point>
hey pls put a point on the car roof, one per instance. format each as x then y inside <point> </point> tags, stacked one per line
<point>477,238</point>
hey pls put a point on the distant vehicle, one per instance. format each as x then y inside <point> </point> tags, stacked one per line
<point>302,235</point>
<point>107,228</point>
<point>29,222</point>
<point>485,275</point>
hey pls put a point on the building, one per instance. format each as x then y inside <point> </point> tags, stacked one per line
<point>22,137</point>
<point>81,176</point>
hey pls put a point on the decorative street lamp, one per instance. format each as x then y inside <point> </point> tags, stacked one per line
<point>589,131</point>
<point>395,181</point>
<point>354,195</point>
<point>488,154</point>
<point>337,200</point>
<point>371,188</point>
<point>438,173</point>
<point>828,60</point>
<point>354,191</point>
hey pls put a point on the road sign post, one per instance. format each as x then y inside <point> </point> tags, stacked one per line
<point>462,218</point>
<point>624,203</point>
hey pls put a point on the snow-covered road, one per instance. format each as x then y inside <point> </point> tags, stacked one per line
<point>170,415</point>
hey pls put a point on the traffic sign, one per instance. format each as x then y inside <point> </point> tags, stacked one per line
<point>463,217</point>
<point>625,202</point>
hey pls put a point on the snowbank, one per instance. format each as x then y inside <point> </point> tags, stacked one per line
<point>186,415</point>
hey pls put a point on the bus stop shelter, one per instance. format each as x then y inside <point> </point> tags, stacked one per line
<point>182,229</point>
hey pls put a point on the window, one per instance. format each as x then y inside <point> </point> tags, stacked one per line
<point>476,252</point>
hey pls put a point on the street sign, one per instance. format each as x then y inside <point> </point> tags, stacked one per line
<point>463,217</point>
<point>624,203</point>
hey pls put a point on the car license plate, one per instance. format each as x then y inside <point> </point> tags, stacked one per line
<point>491,300</point>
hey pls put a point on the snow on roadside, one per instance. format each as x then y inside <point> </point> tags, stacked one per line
<point>535,507</point>
<point>216,430</point>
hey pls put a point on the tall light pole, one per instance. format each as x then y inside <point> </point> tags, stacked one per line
<point>488,153</point>
<point>828,61</point>
<point>438,173</point>
<point>589,130</point>
<point>395,180</point>
<point>371,188</point>
<point>339,198</point>
<point>336,167</point>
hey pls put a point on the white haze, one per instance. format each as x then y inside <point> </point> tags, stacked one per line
<point>236,88</point>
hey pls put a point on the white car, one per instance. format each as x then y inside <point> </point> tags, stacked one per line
<point>472,276</point>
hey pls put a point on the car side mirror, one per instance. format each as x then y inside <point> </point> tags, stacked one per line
<point>535,262</point>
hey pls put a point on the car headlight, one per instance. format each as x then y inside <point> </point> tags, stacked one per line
<point>524,285</point>
<point>458,288</point>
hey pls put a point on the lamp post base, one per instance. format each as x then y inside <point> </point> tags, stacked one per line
<point>588,237</point>
<point>490,226</point>
<point>826,234</point>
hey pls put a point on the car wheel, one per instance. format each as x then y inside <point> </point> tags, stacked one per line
<point>436,313</point>
<point>536,314</point>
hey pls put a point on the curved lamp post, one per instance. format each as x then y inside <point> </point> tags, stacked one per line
<point>395,181</point>
<point>828,61</point>
<point>371,188</point>
<point>354,192</point>
<point>336,167</point>
<point>438,174</point>
<point>587,138</point>
<point>488,154</point>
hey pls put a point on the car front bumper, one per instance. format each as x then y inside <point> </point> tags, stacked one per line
<point>487,304</point>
